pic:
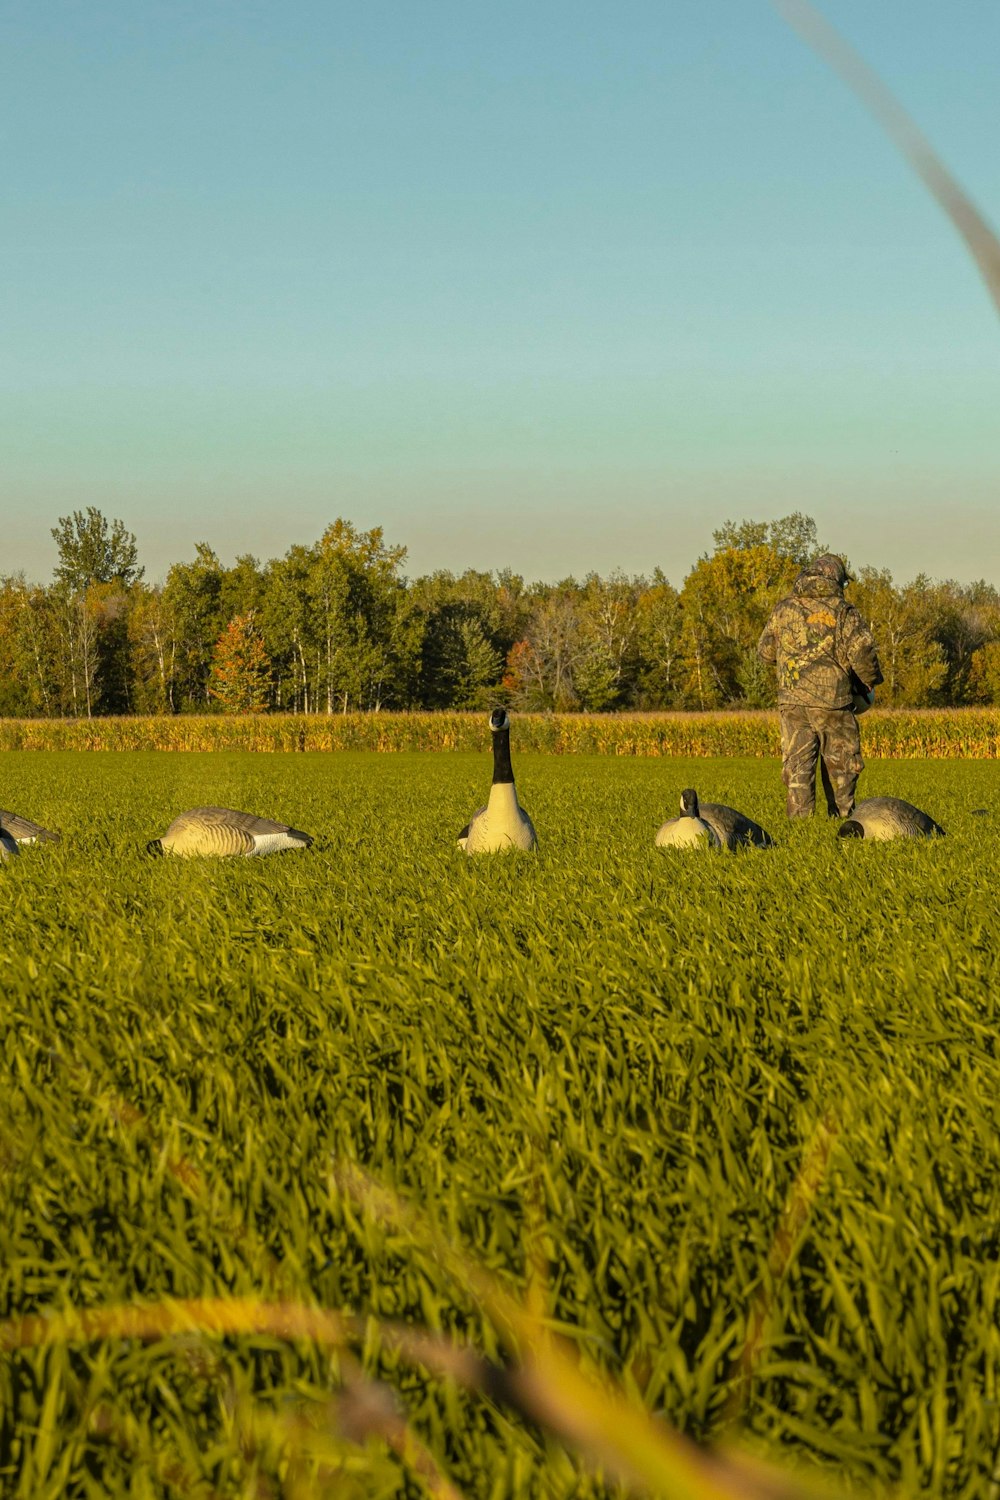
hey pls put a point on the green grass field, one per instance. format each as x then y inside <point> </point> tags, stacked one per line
<point>618,1055</point>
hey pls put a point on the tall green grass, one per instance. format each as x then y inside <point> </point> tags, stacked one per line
<point>599,1072</point>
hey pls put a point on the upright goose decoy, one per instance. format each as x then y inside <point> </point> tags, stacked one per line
<point>883,818</point>
<point>691,830</point>
<point>503,823</point>
<point>15,831</point>
<point>220,830</point>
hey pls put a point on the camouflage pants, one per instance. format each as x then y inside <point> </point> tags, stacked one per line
<point>829,735</point>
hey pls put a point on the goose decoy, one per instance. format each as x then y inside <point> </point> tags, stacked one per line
<point>733,829</point>
<point>690,830</point>
<point>888,818</point>
<point>220,830</point>
<point>15,831</point>
<point>503,823</point>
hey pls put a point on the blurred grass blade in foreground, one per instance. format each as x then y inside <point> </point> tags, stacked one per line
<point>978,235</point>
<point>787,1238</point>
<point>547,1383</point>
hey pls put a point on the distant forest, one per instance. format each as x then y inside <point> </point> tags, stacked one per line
<point>335,625</point>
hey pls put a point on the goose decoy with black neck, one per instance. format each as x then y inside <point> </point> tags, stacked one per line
<point>882,818</point>
<point>503,823</point>
<point>220,830</point>
<point>690,830</point>
<point>15,831</point>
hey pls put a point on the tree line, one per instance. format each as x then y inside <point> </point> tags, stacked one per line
<point>335,625</point>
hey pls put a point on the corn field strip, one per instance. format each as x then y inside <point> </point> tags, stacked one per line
<point>958,733</point>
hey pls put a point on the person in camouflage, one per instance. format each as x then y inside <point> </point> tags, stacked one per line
<point>824,654</point>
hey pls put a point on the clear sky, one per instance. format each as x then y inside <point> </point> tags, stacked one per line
<point>553,285</point>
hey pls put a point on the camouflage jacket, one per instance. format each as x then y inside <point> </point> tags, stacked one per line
<point>817,640</point>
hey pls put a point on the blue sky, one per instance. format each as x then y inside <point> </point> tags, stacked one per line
<point>553,286</point>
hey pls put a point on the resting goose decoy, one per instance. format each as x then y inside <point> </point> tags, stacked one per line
<point>883,818</point>
<point>220,830</point>
<point>732,829</point>
<point>691,830</point>
<point>15,831</point>
<point>503,823</point>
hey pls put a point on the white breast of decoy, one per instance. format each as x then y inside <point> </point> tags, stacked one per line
<point>502,824</point>
<point>690,830</point>
<point>274,843</point>
<point>687,833</point>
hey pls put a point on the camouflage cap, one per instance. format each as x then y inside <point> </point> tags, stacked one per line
<point>828,566</point>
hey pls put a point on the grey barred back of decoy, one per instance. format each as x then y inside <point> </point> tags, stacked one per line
<point>502,824</point>
<point>882,818</point>
<point>15,831</point>
<point>690,830</point>
<point>734,829</point>
<point>223,831</point>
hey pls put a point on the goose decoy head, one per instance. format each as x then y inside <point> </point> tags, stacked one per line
<point>155,847</point>
<point>689,803</point>
<point>499,719</point>
<point>852,829</point>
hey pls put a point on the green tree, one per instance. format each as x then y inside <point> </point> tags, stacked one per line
<point>79,685</point>
<point>902,623</point>
<point>964,619</point>
<point>241,670</point>
<point>368,640</point>
<point>192,595</point>
<point>478,666</point>
<point>286,618</point>
<point>93,551</point>
<point>153,647</point>
<point>609,663</point>
<point>243,587</point>
<point>659,632</point>
<point>460,667</point>
<point>793,537</point>
<point>467,626</point>
<point>98,565</point>
<point>29,649</point>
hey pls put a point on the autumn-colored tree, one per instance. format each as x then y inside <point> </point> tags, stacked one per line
<point>725,602</point>
<point>541,668</point>
<point>984,674</point>
<point>241,669</point>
